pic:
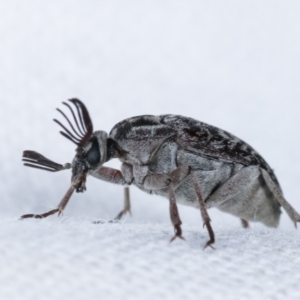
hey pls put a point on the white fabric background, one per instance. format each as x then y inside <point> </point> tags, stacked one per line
<point>233,64</point>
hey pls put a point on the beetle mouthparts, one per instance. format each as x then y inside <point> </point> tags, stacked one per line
<point>78,182</point>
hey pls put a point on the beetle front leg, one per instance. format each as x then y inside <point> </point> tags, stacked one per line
<point>127,206</point>
<point>60,208</point>
<point>109,175</point>
<point>128,177</point>
<point>118,177</point>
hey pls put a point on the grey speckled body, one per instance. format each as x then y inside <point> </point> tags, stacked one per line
<point>161,144</point>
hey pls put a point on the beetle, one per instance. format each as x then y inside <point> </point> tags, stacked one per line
<point>182,159</point>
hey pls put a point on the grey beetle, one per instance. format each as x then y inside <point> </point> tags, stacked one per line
<point>184,160</point>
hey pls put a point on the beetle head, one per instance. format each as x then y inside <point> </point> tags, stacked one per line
<point>91,150</point>
<point>89,156</point>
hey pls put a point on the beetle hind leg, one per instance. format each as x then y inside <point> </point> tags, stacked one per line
<point>174,214</point>
<point>292,213</point>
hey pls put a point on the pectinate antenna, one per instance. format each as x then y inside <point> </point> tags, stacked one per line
<point>36,160</point>
<point>82,130</point>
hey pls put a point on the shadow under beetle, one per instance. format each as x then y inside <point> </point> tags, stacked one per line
<point>187,161</point>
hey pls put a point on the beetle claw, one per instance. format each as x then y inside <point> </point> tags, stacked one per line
<point>176,236</point>
<point>178,233</point>
<point>295,223</point>
<point>209,244</point>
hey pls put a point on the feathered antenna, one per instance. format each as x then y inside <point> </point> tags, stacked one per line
<point>84,125</point>
<point>36,160</point>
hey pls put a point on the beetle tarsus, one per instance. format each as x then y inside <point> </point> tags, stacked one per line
<point>121,214</point>
<point>211,235</point>
<point>60,209</point>
<point>178,233</point>
<point>40,216</point>
<point>245,223</point>
<point>209,244</point>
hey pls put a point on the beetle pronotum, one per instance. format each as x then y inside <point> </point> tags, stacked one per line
<point>187,161</point>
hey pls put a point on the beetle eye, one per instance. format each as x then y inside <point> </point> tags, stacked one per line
<point>93,156</point>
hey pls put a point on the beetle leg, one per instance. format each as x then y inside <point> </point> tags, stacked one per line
<point>60,208</point>
<point>40,216</point>
<point>117,177</point>
<point>127,205</point>
<point>295,217</point>
<point>174,214</point>
<point>178,175</point>
<point>127,173</point>
<point>63,203</point>
<point>154,181</point>
<point>245,223</point>
<point>204,214</point>
<point>109,175</point>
